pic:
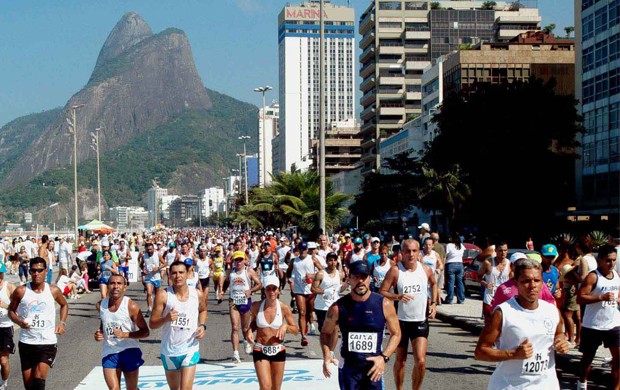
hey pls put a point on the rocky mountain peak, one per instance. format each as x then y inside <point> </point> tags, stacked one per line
<point>129,31</point>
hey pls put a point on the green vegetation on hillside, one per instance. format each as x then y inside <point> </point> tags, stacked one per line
<point>207,138</point>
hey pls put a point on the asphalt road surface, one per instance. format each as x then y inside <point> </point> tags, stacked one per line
<point>450,362</point>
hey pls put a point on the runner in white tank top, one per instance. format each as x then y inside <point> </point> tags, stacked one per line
<point>181,312</point>
<point>327,286</point>
<point>33,308</point>
<point>7,345</point>
<point>122,324</point>
<point>522,335</point>
<point>601,318</point>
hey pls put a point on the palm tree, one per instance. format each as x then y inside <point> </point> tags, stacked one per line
<point>569,30</point>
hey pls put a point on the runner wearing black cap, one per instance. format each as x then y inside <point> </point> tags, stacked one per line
<point>302,272</point>
<point>361,317</point>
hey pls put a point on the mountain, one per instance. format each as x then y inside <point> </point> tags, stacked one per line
<point>157,119</point>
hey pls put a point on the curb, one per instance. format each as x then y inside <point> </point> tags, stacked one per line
<point>566,362</point>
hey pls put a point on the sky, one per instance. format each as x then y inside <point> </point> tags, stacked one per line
<point>49,48</point>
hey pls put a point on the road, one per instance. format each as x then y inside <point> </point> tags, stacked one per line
<point>450,356</point>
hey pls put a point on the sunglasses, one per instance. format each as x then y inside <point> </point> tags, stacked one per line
<point>37,270</point>
<point>239,260</point>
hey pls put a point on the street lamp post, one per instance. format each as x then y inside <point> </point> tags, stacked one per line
<point>245,165</point>
<point>95,147</point>
<point>73,130</point>
<point>322,120</point>
<point>262,138</point>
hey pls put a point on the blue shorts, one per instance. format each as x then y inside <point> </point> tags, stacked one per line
<point>174,363</point>
<point>123,269</point>
<point>127,361</point>
<point>155,283</point>
<point>356,378</point>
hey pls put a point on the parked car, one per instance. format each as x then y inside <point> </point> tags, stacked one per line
<point>470,274</point>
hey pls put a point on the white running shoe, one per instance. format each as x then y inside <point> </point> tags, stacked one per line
<point>236,358</point>
<point>312,330</point>
<point>248,348</point>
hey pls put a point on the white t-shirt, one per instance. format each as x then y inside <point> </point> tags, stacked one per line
<point>454,255</point>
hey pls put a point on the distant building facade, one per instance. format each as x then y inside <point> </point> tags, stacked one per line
<point>342,147</point>
<point>154,195</point>
<point>266,135</point>
<point>184,209</point>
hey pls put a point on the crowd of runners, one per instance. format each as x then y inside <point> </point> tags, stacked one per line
<point>370,298</point>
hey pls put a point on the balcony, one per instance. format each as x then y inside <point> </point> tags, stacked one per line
<point>367,84</point>
<point>368,98</point>
<point>390,93</point>
<point>368,112</point>
<point>367,23</point>
<point>416,65</point>
<point>391,80</point>
<point>391,109</point>
<point>368,127</point>
<point>391,49</point>
<point>367,54</point>
<point>414,96</point>
<point>367,40</point>
<point>367,69</point>
<point>418,34</point>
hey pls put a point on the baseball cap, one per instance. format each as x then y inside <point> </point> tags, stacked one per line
<point>567,268</point>
<point>549,250</point>
<point>331,255</point>
<point>189,261</point>
<point>271,280</point>
<point>283,238</point>
<point>366,235</point>
<point>302,246</point>
<point>171,244</point>
<point>267,243</point>
<point>218,248</point>
<point>2,268</point>
<point>357,240</point>
<point>347,235</point>
<point>312,245</point>
<point>238,255</point>
<point>516,256</point>
<point>359,268</point>
<point>425,226</point>
<point>375,239</point>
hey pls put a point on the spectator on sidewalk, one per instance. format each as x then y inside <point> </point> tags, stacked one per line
<point>454,270</point>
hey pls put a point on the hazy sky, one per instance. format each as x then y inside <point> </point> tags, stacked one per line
<point>48,48</point>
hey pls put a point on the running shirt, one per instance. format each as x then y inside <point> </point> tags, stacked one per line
<point>431,260</point>
<point>379,271</point>
<point>550,278</point>
<point>361,325</point>
<point>5,320</point>
<point>497,278</point>
<point>202,267</point>
<point>39,310</point>
<point>603,315</point>
<point>282,251</point>
<point>331,290</point>
<point>123,258</point>
<point>218,267</point>
<point>253,254</point>
<point>267,265</point>
<point>193,281</point>
<point>106,272</point>
<point>415,284</point>
<point>120,319</point>
<point>239,284</point>
<point>170,256</point>
<point>277,322</point>
<point>150,263</point>
<point>538,326</point>
<point>359,256</point>
<point>177,337</point>
<point>372,258</point>
<point>301,268</point>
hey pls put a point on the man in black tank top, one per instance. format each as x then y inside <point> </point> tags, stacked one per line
<point>361,317</point>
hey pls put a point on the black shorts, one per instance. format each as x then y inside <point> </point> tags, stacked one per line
<point>31,355</point>
<point>258,355</point>
<point>591,339</point>
<point>204,283</point>
<point>6,340</point>
<point>412,330</point>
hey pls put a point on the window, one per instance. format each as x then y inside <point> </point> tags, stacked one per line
<point>587,26</point>
<point>588,59</point>
<point>614,116</point>
<point>600,53</point>
<point>600,20</point>
<point>390,5</point>
<point>601,86</point>
<point>614,13</point>
<point>614,81</point>
<point>415,5</point>
<point>614,47</point>
<point>588,155</point>
<point>602,119</point>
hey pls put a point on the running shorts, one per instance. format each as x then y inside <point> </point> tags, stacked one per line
<point>356,378</point>
<point>204,283</point>
<point>174,363</point>
<point>155,283</point>
<point>410,330</point>
<point>591,339</point>
<point>127,361</point>
<point>31,355</point>
<point>6,340</point>
<point>242,309</point>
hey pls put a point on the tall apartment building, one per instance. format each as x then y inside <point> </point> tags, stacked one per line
<point>342,147</point>
<point>399,40</point>
<point>265,137</point>
<point>298,39</point>
<point>212,201</point>
<point>154,195</point>
<point>597,87</point>
<point>184,209</point>
<point>166,200</point>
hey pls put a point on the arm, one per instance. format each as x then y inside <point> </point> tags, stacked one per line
<point>439,263</point>
<point>393,326</point>
<point>201,331</point>
<point>64,308</point>
<point>156,321</point>
<point>584,297</point>
<point>329,327</point>
<point>434,291</point>
<point>257,284</point>
<point>490,334</point>
<point>316,283</point>
<point>390,282</point>
<point>289,324</point>
<point>136,316</point>
<point>583,269</point>
<point>559,341</point>
<point>17,296</point>
<point>485,268</point>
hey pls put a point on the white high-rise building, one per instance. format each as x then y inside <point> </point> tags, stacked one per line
<point>265,136</point>
<point>298,38</point>
<point>166,201</point>
<point>154,195</point>
<point>212,200</point>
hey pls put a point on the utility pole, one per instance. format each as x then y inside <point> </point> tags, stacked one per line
<point>73,130</point>
<point>95,146</point>
<point>322,121</point>
<point>262,139</point>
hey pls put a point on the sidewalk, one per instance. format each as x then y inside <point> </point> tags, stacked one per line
<point>468,316</point>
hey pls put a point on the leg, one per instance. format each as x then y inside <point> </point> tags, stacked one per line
<point>577,327</point>
<point>39,374</point>
<point>263,373</point>
<point>149,296</point>
<point>450,286</point>
<point>174,379</point>
<point>104,290</point>
<point>419,345</point>
<point>301,307</point>
<point>399,366</point>
<point>112,378</point>
<point>4,364</point>
<point>615,366</point>
<point>131,379</point>
<point>277,375</point>
<point>187,377</point>
<point>310,310</point>
<point>460,287</point>
<point>586,365</point>
<point>245,325</point>
<point>234,334</point>
<point>569,325</point>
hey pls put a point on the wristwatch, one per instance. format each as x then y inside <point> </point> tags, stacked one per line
<point>204,326</point>
<point>385,358</point>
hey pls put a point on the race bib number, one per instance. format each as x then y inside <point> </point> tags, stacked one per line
<point>36,322</point>
<point>613,303</point>
<point>109,327</point>
<point>182,321</point>
<point>536,365</point>
<point>203,272</point>
<point>412,290</point>
<point>330,294</point>
<point>107,274</point>
<point>4,313</point>
<point>362,342</point>
<point>239,298</point>
<point>271,350</point>
<point>150,267</point>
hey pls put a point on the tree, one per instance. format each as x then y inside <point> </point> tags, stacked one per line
<point>516,144</point>
<point>489,5</point>
<point>549,28</point>
<point>569,30</point>
<point>435,5</point>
